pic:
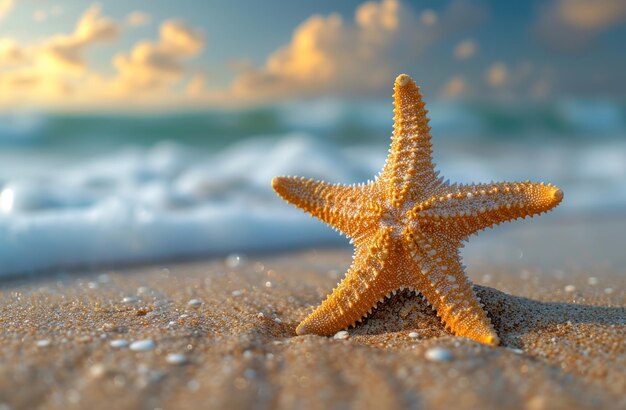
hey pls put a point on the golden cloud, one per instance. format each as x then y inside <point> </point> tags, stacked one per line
<point>573,24</point>
<point>496,75</point>
<point>137,18</point>
<point>328,55</point>
<point>52,68</point>
<point>40,15</point>
<point>465,49</point>
<point>55,70</point>
<point>10,52</point>
<point>454,88</point>
<point>5,7</point>
<point>151,66</point>
<point>66,51</point>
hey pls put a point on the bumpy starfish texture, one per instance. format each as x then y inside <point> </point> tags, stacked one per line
<point>407,227</point>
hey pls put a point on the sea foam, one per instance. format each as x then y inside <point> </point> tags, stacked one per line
<point>172,201</point>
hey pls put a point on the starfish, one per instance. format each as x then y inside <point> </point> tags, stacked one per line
<point>407,227</point>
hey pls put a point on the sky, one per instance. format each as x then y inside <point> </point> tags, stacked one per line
<point>77,55</point>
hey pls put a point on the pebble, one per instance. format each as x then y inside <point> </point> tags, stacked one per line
<point>413,335</point>
<point>592,280</point>
<point>608,291</point>
<point>268,284</point>
<point>260,315</point>
<point>193,385</point>
<point>237,293</point>
<point>159,303</point>
<point>142,345</point>
<point>341,335</point>
<point>104,278</point>
<point>129,300</point>
<point>438,354</point>
<point>43,343</point>
<point>97,370</point>
<point>119,343</point>
<point>176,359</point>
<point>570,288</point>
<point>233,260</point>
<point>277,320</point>
<point>194,302</point>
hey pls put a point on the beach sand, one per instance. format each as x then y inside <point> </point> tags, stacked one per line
<point>562,340</point>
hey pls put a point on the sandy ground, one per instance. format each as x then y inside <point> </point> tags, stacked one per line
<point>563,341</point>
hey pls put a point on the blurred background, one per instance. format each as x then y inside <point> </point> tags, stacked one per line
<point>149,131</point>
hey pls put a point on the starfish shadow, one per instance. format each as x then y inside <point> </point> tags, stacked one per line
<point>512,316</point>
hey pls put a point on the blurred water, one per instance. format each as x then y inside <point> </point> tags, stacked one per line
<point>80,190</point>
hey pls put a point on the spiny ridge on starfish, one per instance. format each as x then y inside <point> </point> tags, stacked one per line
<point>407,227</point>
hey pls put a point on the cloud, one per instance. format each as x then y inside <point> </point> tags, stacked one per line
<point>10,52</point>
<point>196,85</point>
<point>5,8</point>
<point>465,49</point>
<point>137,18</point>
<point>54,70</point>
<point>328,55</point>
<point>454,88</point>
<point>571,25</point>
<point>520,79</point>
<point>55,66</point>
<point>428,17</point>
<point>56,11</point>
<point>66,51</point>
<point>154,65</point>
<point>496,75</point>
<point>40,15</point>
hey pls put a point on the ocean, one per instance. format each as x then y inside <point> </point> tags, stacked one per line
<point>90,190</point>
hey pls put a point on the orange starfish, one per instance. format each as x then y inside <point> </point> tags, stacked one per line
<point>407,227</point>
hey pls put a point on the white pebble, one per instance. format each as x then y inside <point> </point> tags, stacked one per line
<point>142,345</point>
<point>43,343</point>
<point>570,288</point>
<point>194,302</point>
<point>413,335</point>
<point>260,315</point>
<point>438,354</point>
<point>97,370</point>
<point>268,284</point>
<point>119,343</point>
<point>129,300</point>
<point>248,354</point>
<point>608,291</point>
<point>341,335</point>
<point>176,358</point>
<point>592,280</point>
<point>234,260</point>
<point>237,293</point>
<point>277,320</point>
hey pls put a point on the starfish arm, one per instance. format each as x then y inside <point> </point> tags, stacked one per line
<point>351,209</point>
<point>369,279</point>
<point>439,276</point>
<point>467,209</point>
<point>409,171</point>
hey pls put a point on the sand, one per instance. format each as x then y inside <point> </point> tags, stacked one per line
<point>64,341</point>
